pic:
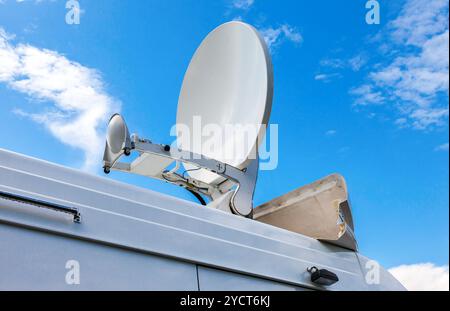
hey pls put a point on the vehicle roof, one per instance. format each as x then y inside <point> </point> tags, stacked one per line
<point>127,216</point>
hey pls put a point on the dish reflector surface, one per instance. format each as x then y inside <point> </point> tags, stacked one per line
<point>116,134</point>
<point>229,81</point>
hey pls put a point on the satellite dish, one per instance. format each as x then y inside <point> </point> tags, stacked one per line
<point>228,85</point>
<point>229,81</point>
<point>118,140</point>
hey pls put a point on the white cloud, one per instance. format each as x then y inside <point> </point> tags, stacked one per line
<point>422,277</point>
<point>273,36</point>
<point>354,63</point>
<point>242,4</point>
<point>320,76</point>
<point>423,119</point>
<point>416,80</point>
<point>420,20</point>
<point>333,67</point>
<point>330,132</point>
<point>326,77</point>
<point>357,62</point>
<point>366,95</point>
<point>401,122</point>
<point>443,147</point>
<point>335,63</point>
<point>74,105</point>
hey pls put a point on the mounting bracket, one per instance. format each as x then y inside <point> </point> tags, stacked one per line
<point>241,182</point>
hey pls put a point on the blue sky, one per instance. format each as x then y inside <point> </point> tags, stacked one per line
<point>367,101</point>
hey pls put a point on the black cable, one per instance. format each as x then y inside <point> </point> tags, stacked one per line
<point>173,181</point>
<point>185,181</point>
<point>198,196</point>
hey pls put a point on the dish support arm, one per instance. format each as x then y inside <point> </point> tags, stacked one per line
<point>241,202</point>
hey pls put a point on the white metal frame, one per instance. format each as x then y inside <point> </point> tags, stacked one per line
<point>240,182</point>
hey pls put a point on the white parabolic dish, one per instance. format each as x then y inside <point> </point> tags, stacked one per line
<point>229,81</point>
